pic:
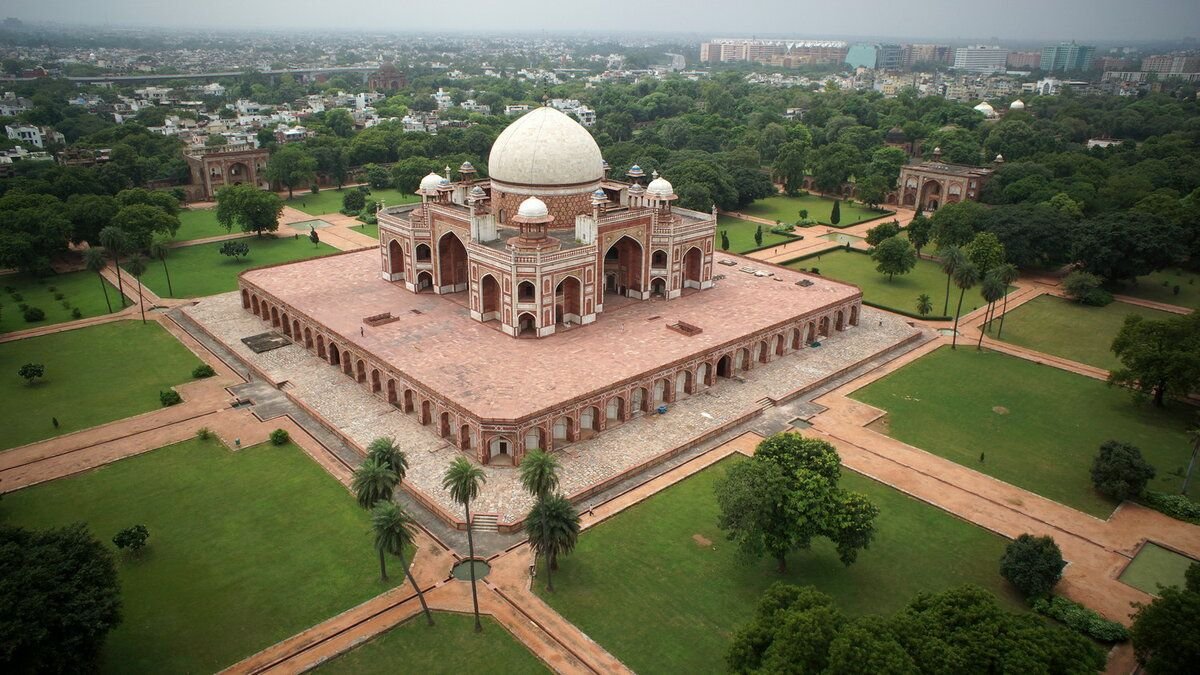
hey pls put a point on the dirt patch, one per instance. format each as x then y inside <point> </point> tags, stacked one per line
<point>701,540</point>
<point>881,426</point>
<point>1000,410</point>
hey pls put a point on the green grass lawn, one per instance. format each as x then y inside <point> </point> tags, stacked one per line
<point>246,548</point>
<point>1156,566</point>
<point>81,290</point>
<point>1039,427</point>
<point>329,200</point>
<point>450,646</point>
<point>94,375</point>
<point>201,270</point>
<point>1151,287</point>
<point>662,589</point>
<point>1070,329</point>
<point>741,234</point>
<point>899,293</point>
<point>198,224</point>
<point>787,209</point>
<point>369,230</point>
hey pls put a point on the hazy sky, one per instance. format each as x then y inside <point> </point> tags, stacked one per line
<point>942,19</point>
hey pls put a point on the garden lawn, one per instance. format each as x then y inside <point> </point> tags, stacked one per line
<point>1039,427</point>
<point>246,548</point>
<point>741,234</point>
<point>93,376</point>
<point>201,269</point>
<point>450,646</point>
<point>81,290</point>
<point>1156,566</point>
<point>1069,329</point>
<point>199,224</point>
<point>369,230</point>
<point>329,200</point>
<point>661,588</point>
<point>1151,287</point>
<point>819,208</point>
<point>901,292</point>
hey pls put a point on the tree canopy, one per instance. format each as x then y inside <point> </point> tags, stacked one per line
<point>251,209</point>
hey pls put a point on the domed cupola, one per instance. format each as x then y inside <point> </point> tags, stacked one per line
<point>430,184</point>
<point>660,188</point>
<point>545,149</point>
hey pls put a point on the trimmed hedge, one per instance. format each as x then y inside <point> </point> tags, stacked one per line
<point>1081,619</point>
<point>1179,507</point>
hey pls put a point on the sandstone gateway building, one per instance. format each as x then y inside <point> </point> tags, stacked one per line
<point>546,303</point>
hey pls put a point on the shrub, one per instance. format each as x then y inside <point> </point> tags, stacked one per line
<point>235,249</point>
<point>1178,507</point>
<point>17,297</point>
<point>783,229</point>
<point>203,370</point>
<point>1085,288</point>
<point>66,304</point>
<point>58,296</point>
<point>1032,564</point>
<point>1080,618</point>
<point>314,188</point>
<point>33,314</point>
<point>1119,471</point>
<point>353,201</point>
<point>280,437</point>
<point>204,433</point>
<point>132,538</point>
<point>169,397</point>
<point>76,314</point>
<point>31,371</point>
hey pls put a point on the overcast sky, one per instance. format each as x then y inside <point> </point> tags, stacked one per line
<point>942,19</point>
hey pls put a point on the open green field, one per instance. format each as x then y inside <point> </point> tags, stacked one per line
<point>899,293</point>
<point>787,209</point>
<point>246,548</point>
<point>329,200</point>
<point>201,270</point>
<point>1151,287</point>
<point>741,234</point>
<point>1156,566</point>
<point>80,289</point>
<point>93,376</point>
<point>450,646</point>
<point>1038,427</point>
<point>1069,329</point>
<point>199,224</point>
<point>369,230</point>
<point>661,588</point>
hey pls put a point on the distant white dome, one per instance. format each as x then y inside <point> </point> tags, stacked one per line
<point>545,147</point>
<point>660,188</point>
<point>430,182</point>
<point>533,208</point>
<point>986,108</point>
<point>1017,105</point>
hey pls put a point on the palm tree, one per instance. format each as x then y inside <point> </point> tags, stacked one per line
<point>966,275</point>
<point>463,479</point>
<point>95,262</point>
<point>137,267</point>
<point>1194,437</point>
<point>952,258</point>
<point>924,304</point>
<point>993,289</point>
<point>373,482</point>
<point>393,529</point>
<point>539,474</point>
<point>1009,273</point>
<point>553,529</point>
<point>385,451</point>
<point>114,241</point>
<point>160,246</point>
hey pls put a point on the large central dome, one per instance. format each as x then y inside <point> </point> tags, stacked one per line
<point>545,148</point>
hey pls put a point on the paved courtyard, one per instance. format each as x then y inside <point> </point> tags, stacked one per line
<point>362,416</point>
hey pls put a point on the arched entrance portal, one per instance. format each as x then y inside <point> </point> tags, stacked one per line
<point>452,264</point>
<point>395,260</point>
<point>623,263</point>
<point>693,263</point>
<point>931,195</point>
<point>489,298</point>
<point>568,299</point>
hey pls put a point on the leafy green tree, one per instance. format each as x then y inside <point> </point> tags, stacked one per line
<point>31,372</point>
<point>339,122</point>
<point>386,452</point>
<point>985,251</point>
<point>724,240</point>
<point>833,164</point>
<point>876,235</point>
<point>292,166</point>
<point>553,529</point>
<point>94,261</point>
<point>1158,356</point>
<point>868,644</point>
<point>835,214</point>
<point>1120,246</point>
<point>164,201</point>
<point>133,538</point>
<point>251,209</point>
<point>1065,206</point>
<point>539,473</point>
<point>137,267</point>
<point>354,201</point>
<point>894,256</point>
<point>1032,564</point>
<point>114,241</point>
<point>60,597</point>
<point>1166,634</point>
<point>953,257</point>
<point>1119,471</point>
<point>377,176</point>
<point>919,229</point>
<point>966,276</point>
<point>872,190</point>
<point>787,495</point>
<point>160,247</point>
<point>1086,288</point>
<point>394,532</point>
<point>140,222</point>
<point>758,236</point>
<point>956,224</point>
<point>314,237</point>
<point>924,304</point>
<point>374,481</point>
<point>463,480</point>
<point>88,215</point>
<point>789,165</point>
<point>993,289</point>
<point>235,249</point>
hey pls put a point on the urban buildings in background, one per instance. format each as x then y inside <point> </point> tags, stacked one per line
<point>1067,56</point>
<point>786,53</point>
<point>981,59</point>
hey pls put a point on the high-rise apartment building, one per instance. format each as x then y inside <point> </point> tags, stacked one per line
<point>981,59</point>
<point>1067,56</point>
<point>1024,60</point>
<point>778,52</point>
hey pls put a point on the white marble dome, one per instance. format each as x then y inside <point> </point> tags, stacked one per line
<point>533,208</point>
<point>1017,105</point>
<point>545,147</point>
<point>986,109</point>
<point>660,188</point>
<point>430,182</point>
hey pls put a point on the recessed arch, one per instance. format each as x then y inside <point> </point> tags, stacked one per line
<point>489,297</point>
<point>589,421</point>
<point>693,267</point>
<point>321,346</point>
<point>614,410</point>
<point>823,327</point>
<point>701,381</point>
<point>335,356</point>
<point>466,439</point>
<point>444,425</point>
<point>526,292</point>
<point>568,300</point>
<point>725,366</point>
<point>452,263</point>
<point>526,325</point>
<point>423,253</point>
<point>426,412</point>
<point>376,383</point>
<point>658,287</point>
<point>764,352</point>
<point>658,259</point>
<point>640,400</point>
<point>308,338</point>
<point>424,282</point>
<point>624,261</point>
<point>395,258</point>
<point>780,345</point>
<point>391,393</point>
<point>254,306</point>
<point>840,323</point>
<point>535,439</point>
<point>564,429</point>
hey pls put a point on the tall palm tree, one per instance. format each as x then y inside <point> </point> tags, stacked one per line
<point>114,241</point>
<point>463,479</point>
<point>553,529</point>
<point>160,246</point>
<point>966,275</point>
<point>1009,273</point>
<point>993,289</point>
<point>924,304</point>
<point>373,482</point>
<point>95,262</point>
<point>539,474</point>
<point>384,451</point>
<point>393,529</point>
<point>137,267</point>
<point>952,258</point>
